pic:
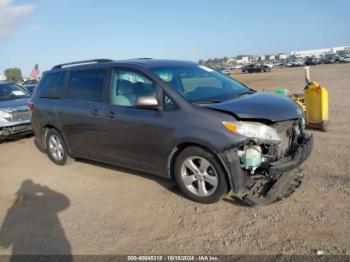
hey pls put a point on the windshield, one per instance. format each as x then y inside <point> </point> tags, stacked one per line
<point>11,91</point>
<point>199,83</point>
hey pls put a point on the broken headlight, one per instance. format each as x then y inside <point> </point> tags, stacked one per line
<point>253,130</point>
<point>4,116</point>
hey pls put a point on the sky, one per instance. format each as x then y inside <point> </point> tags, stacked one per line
<point>50,32</point>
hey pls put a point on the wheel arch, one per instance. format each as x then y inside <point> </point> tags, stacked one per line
<point>182,146</point>
<point>43,134</point>
<point>44,131</point>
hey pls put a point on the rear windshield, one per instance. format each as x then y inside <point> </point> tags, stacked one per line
<point>12,91</point>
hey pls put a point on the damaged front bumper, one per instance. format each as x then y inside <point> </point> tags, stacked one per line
<point>286,164</point>
<point>19,129</point>
<point>240,179</point>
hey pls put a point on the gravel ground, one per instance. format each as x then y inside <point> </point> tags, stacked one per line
<point>89,208</point>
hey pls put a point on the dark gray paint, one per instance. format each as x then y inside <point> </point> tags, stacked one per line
<point>260,105</point>
<point>145,139</point>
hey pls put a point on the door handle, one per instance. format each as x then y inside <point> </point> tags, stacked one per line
<point>111,114</point>
<point>94,112</point>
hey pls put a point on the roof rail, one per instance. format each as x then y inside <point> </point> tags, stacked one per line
<point>83,62</point>
<point>139,58</point>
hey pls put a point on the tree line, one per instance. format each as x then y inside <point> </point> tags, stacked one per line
<point>13,74</point>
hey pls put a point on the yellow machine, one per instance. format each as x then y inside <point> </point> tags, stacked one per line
<point>316,106</point>
<point>314,103</point>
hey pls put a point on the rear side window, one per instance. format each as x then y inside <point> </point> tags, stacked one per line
<point>86,85</point>
<point>51,85</point>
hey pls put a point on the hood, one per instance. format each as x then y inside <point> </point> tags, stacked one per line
<point>13,104</point>
<point>260,105</point>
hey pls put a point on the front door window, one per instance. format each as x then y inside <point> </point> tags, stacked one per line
<point>128,85</point>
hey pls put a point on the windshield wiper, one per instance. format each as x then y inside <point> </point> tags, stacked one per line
<point>240,94</point>
<point>207,101</point>
<point>216,100</point>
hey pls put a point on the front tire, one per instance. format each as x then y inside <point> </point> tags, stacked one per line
<point>56,148</point>
<point>200,176</point>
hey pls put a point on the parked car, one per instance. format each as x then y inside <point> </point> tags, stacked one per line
<point>337,58</point>
<point>270,65</point>
<point>331,59</point>
<point>345,59</point>
<point>224,70</point>
<point>14,112</point>
<point>176,119</point>
<point>278,63</point>
<point>311,61</point>
<point>29,82</point>
<point>295,62</point>
<point>252,68</point>
<point>29,88</point>
<point>321,60</point>
<point>29,85</point>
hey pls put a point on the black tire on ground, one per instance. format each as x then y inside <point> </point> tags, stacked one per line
<point>282,188</point>
<point>66,159</point>
<point>221,189</point>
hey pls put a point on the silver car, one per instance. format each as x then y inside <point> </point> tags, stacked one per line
<point>15,116</point>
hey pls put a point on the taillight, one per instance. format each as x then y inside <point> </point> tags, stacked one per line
<point>30,106</point>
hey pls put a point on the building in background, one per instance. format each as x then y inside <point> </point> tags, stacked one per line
<point>319,52</point>
<point>242,59</point>
<point>261,58</point>
<point>2,78</point>
<point>270,57</point>
<point>282,56</point>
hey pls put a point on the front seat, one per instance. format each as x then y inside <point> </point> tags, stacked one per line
<point>125,95</point>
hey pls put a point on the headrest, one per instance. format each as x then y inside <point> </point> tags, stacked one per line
<point>124,87</point>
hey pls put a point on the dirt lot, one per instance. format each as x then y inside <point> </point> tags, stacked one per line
<point>88,208</point>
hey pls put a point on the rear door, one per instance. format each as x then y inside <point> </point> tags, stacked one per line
<point>81,112</point>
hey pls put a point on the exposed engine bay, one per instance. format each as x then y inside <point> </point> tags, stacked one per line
<point>256,154</point>
<point>269,171</point>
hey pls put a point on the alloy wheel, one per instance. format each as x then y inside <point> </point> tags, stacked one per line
<point>56,147</point>
<point>199,176</point>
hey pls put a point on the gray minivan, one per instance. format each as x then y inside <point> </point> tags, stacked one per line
<point>175,119</point>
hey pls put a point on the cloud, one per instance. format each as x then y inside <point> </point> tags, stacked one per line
<point>35,28</point>
<point>10,15</point>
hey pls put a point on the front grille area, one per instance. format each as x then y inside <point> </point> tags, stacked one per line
<point>286,132</point>
<point>21,115</point>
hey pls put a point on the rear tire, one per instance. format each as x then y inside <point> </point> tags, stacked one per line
<point>56,148</point>
<point>200,176</point>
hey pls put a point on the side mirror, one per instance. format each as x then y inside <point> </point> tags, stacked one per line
<point>146,102</point>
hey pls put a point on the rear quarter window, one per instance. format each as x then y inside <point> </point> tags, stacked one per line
<point>51,85</point>
<point>86,85</point>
